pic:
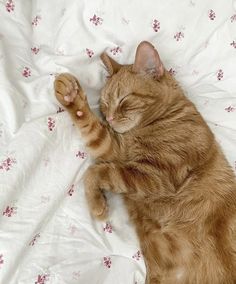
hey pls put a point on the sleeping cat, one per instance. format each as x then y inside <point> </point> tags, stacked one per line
<point>157,152</point>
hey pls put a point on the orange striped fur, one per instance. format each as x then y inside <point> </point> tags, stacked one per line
<point>157,151</point>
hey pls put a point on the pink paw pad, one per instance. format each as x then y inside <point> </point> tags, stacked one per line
<point>79,113</point>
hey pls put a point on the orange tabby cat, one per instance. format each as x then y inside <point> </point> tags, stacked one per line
<point>156,150</point>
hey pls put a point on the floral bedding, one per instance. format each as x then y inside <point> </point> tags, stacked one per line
<point>47,235</point>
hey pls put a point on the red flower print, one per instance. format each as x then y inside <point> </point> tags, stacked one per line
<point>60,110</point>
<point>36,20</point>
<point>233,18</point>
<point>81,155</point>
<point>233,43</point>
<point>220,74</point>
<point>116,50</point>
<point>42,279</point>
<point>10,6</point>
<point>1,260</point>
<point>51,123</point>
<point>71,190</point>
<point>172,72</point>
<point>137,255</point>
<point>89,52</point>
<point>35,50</point>
<point>211,15</point>
<point>9,211</point>
<point>26,72</point>
<point>7,164</point>
<point>156,25</point>
<point>107,228</point>
<point>96,20</point>
<point>230,109</point>
<point>32,242</point>
<point>107,261</point>
<point>178,36</point>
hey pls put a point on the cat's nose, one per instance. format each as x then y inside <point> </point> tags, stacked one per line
<point>110,118</point>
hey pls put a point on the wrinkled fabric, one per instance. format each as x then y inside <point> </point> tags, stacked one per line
<point>47,235</point>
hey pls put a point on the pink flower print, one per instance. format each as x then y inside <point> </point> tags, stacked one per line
<point>76,275</point>
<point>35,50</point>
<point>233,18</point>
<point>46,161</point>
<point>192,3</point>
<point>172,72</point>
<point>206,102</point>
<point>233,43</point>
<point>9,211</point>
<point>60,51</point>
<point>45,199</point>
<point>72,229</point>
<point>230,109</point>
<point>36,20</point>
<point>60,109</point>
<point>33,241</point>
<point>156,25</point>
<point>81,155</point>
<point>89,52</point>
<point>1,260</point>
<point>96,20</point>
<point>220,74</point>
<point>178,36</point>
<point>137,255</point>
<point>26,72</point>
<point>51,123</point>
<point>195,72</point>
<point>107,228</point>
<point>7,164</point>
<point>71,190</point>
<point>116,50</point>
<point>211,15</point>
<point>42,279</point>
<point>10,6</point>
<point>107,261</point>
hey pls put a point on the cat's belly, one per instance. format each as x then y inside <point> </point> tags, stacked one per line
<point>174,252</point>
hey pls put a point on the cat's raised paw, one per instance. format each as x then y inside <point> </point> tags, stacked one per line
<point>68,90</point>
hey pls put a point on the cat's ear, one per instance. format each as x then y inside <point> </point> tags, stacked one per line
<point>147,60</point>
<point>111,65</point>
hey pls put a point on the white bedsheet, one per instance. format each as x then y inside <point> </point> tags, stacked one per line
<point>46,233</point>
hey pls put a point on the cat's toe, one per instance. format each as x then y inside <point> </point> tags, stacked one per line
<point>67,89</point>
<point>100,211</point>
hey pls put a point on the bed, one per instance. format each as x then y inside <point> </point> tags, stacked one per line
<point>47,235</point>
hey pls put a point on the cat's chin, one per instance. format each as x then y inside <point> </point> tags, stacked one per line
<point>119,129</point>
<point>122,128</point>
<point>125,126</point>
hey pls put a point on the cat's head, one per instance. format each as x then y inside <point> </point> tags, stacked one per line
<point>131,91</point>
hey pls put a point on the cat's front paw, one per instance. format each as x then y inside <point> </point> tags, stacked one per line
<point>96,199</point>
<point>99,208</point>
<point>69,92</point>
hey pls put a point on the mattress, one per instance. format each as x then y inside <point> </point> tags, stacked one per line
<point>47,235</point>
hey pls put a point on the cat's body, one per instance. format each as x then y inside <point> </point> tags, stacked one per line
<point>158,152</point>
